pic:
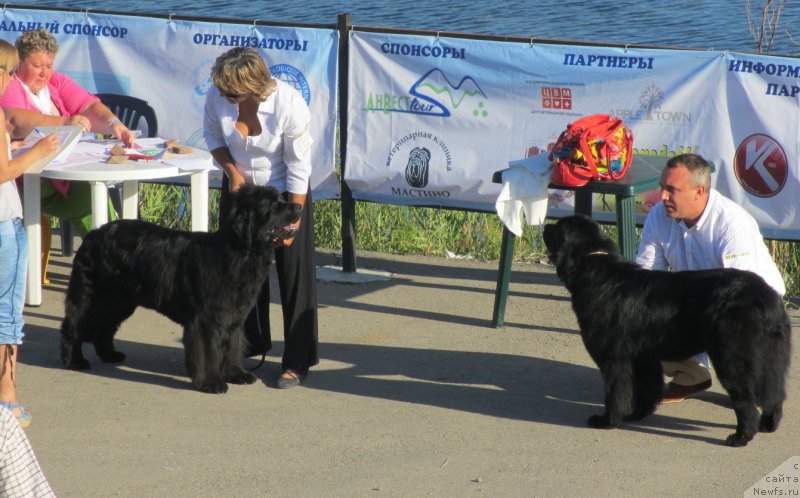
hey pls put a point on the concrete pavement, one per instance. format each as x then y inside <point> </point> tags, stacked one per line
<point>415,395</point>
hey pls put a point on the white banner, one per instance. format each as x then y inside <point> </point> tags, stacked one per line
<point>168,63</point>
<point>763,146</point>
<point>431,119</point>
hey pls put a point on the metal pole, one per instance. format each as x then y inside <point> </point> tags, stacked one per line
<point>345,23</point>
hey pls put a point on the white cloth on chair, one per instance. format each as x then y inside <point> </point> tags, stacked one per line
<point>524,192</point>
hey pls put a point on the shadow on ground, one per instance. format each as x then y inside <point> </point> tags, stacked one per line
<point>506,386</point>
<point>497,385</point>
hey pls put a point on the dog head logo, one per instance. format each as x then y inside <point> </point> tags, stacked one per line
<point>417,167</point>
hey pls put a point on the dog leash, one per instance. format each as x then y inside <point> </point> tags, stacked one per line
<point>263,358</point>
<point>260,333</point>
<point>280,233</point>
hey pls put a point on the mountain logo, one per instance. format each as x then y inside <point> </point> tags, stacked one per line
<point>434,94</point>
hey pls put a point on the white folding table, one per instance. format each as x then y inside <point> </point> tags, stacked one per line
<point>99,174</point>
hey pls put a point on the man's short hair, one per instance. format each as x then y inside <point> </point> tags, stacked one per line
<point>699,168</point>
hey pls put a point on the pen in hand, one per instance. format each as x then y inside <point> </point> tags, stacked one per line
<point>39,132</point>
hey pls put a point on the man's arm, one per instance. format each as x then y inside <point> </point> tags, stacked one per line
<point>651,250</point>
<point>741,246</point>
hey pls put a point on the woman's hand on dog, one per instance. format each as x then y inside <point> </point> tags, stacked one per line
<point>285,235</point>
<point>289,230</point>
<point>236,180</point>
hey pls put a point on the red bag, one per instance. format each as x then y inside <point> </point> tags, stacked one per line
<point>591,148</point>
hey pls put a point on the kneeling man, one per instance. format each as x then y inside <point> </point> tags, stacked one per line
<point>696,228</point>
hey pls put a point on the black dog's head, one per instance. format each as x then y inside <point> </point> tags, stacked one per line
<point>572,238</point>
<point>257,214</point>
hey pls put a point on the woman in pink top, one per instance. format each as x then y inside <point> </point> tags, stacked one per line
<point>36,87</point>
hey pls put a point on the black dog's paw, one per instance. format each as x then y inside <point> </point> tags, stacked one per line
<point>216,387</point>
<point>242,378</point>
<point>113,357</point>
<point>633,417</point>
<point>767,427</point>
<point>638,415</point>
<point>736,440</point>
<point>599,422</point>
<point>767,424</point>
<point>80,364</point>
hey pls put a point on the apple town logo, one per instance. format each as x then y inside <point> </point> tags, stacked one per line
<point>761,166</point>
<point>651,101</point>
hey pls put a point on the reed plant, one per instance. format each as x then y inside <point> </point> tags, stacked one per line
<point>409,230</point>
<point>787,256</point>
<point>170,206</point>
<point>424,231</point>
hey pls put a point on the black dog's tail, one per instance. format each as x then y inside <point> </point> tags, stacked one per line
<point>771,391</point>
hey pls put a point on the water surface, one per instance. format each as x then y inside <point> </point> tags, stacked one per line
<point>703,24</point>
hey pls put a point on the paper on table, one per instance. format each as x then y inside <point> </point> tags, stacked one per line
<point>84,152</point>
<point>186,162</point>
<point>73,161</point>
<point>68,138</point>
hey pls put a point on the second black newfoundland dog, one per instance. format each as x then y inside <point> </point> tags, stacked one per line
<point>206,282</point>
<point>631,318</point>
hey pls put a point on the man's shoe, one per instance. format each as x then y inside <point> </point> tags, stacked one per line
<point>674,393</point>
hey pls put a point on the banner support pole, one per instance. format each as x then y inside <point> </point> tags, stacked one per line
<point>348,205</point>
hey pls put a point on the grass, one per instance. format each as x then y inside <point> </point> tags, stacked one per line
<point>406,230</point>
<point>169,206</point>
<point>425,231</point>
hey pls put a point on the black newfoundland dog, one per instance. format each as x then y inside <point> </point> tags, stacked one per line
<point>206,282</point>
<point>631,318</point>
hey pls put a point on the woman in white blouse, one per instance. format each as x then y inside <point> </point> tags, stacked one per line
<point>257,129</point>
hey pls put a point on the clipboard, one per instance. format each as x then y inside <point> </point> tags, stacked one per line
<point>68,136</point>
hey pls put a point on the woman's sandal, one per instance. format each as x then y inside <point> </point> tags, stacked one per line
<point>293,379</point>
<point>25,416</point>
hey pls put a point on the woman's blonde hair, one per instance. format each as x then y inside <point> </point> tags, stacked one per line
<point>242,72</point>
<point>37,40</point>
<point>8,57</point>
